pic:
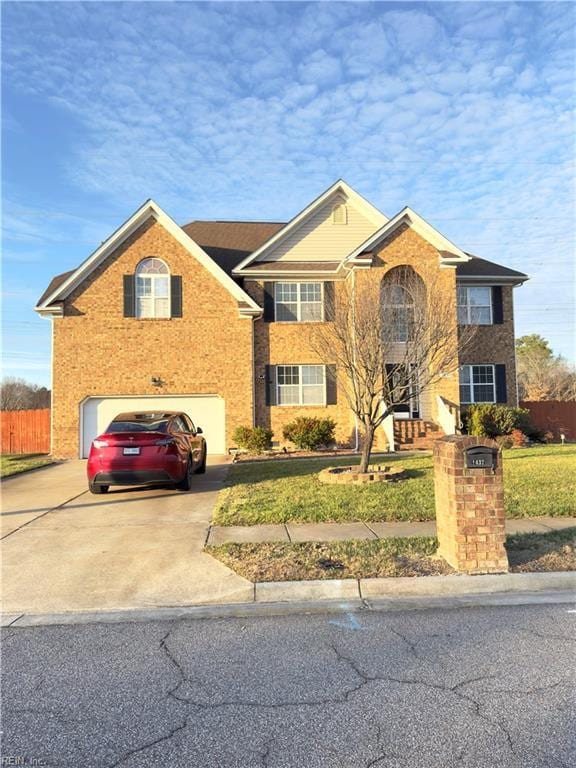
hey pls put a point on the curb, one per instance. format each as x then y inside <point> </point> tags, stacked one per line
<point>343,596</point>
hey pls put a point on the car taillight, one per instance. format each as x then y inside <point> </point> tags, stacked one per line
<point>165,441</point>
<point>100,443</point>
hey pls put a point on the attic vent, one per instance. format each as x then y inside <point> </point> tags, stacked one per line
<point>340,214</point>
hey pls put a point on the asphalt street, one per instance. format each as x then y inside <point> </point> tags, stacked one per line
<point>473,688</point>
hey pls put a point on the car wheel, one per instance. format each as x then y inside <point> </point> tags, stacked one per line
<point>186,483</point>
<point>98,488</point>
<point>202,468</point>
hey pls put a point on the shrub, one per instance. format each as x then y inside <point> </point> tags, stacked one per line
<point>253,439</point>
<point>308,433</point>
<point>504,441</point>
<point>518,438</point>
<point>490,420</point>
<point>549,437</point>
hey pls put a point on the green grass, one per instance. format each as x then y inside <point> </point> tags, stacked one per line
<point>414,556</point>
<point>537,481</point>
<point>13,463</point>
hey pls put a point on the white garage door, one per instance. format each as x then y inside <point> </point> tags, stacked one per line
<point>206,411</point>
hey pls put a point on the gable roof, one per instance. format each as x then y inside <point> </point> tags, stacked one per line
<point>230,242</point>
<point>55,283</point>
<point>64,284</point>
<point>340,186</point>
<point>478,269</point>
<point>450,253</point>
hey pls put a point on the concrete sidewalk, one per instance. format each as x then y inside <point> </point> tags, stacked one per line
<point>345,531</point>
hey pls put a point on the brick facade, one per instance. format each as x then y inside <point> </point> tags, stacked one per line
<point>469,508</point>
<point>98,352</point>
<point>495,344</point>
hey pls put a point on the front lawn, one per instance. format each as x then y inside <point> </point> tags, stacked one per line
<point>537,481</point>
<point>13,464</point>
<point>414,556</point>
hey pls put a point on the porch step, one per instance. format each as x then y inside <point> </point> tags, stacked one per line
<point>411,434</point>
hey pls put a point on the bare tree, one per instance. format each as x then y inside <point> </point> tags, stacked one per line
<point>392,341</point>
<point>20,395</point>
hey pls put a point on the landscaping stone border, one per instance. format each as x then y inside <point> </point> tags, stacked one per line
<point>350,476</point>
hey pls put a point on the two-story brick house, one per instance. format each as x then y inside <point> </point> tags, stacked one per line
<point>214,318</point>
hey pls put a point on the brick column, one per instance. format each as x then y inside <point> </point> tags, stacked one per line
<point>469,508</point>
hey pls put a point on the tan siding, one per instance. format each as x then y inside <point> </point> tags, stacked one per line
<point>318,239</point>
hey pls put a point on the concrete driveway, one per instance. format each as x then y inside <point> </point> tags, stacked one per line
<point>64,549</point>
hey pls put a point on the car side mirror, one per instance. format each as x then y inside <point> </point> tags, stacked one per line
<point>199,431</point>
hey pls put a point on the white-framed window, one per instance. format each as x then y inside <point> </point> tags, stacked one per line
<point>398,313</point>
<point>474,305</point>
<point>152,289</point>
<point>301,384</point>
<point>477,384</point>
<point>299,302</point>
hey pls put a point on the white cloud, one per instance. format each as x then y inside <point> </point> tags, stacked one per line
<point>250,110</point>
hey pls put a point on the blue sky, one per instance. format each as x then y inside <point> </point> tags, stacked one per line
<point>249,110</point>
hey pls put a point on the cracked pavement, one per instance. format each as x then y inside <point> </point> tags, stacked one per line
<point>473,688</point>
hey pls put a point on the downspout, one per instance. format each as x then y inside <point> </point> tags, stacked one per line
<point>254,370</point>
<point>356,434</point>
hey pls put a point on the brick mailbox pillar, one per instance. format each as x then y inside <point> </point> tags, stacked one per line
<point>470,504</point>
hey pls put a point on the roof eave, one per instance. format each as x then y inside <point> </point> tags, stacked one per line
<point>493,279</point>
<point>53,311</point>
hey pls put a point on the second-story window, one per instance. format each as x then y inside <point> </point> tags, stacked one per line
<point>398,313</point>
<point>474,305</point>
<point>152,289</point>
<point>298,302</point>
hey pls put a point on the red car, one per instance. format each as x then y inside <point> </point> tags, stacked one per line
<point>147,447</point>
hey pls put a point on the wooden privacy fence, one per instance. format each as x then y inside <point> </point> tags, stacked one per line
<point>25,431</point>
<point>553,416</point>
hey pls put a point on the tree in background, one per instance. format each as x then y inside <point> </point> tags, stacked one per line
<point>542,375</point>
<point>20,395</point>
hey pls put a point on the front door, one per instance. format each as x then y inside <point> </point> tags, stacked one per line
<point>403,385</point>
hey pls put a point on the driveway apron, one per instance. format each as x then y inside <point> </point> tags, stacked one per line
<point>65,549</point>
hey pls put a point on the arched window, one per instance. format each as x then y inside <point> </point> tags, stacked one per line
<point>339,214</point>
<point>403,296</point>
<point>399,312</point>
<point>152,289</point>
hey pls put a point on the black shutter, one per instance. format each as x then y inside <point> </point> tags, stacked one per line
<point>129,296</point>
<point>175,296</point>
<point>331,388</point>
<point>269,302</point>
<point>501,394</point>
<point>497,308</point>
<point>270,385</point>
<point>329,301</point>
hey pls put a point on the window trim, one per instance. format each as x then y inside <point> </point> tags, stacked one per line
<point>468,306</point>
<point>410,308</point>
<point>300,403</point>
<point>299,303</point>
<point>168,276</point>
<point>470,366</point>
